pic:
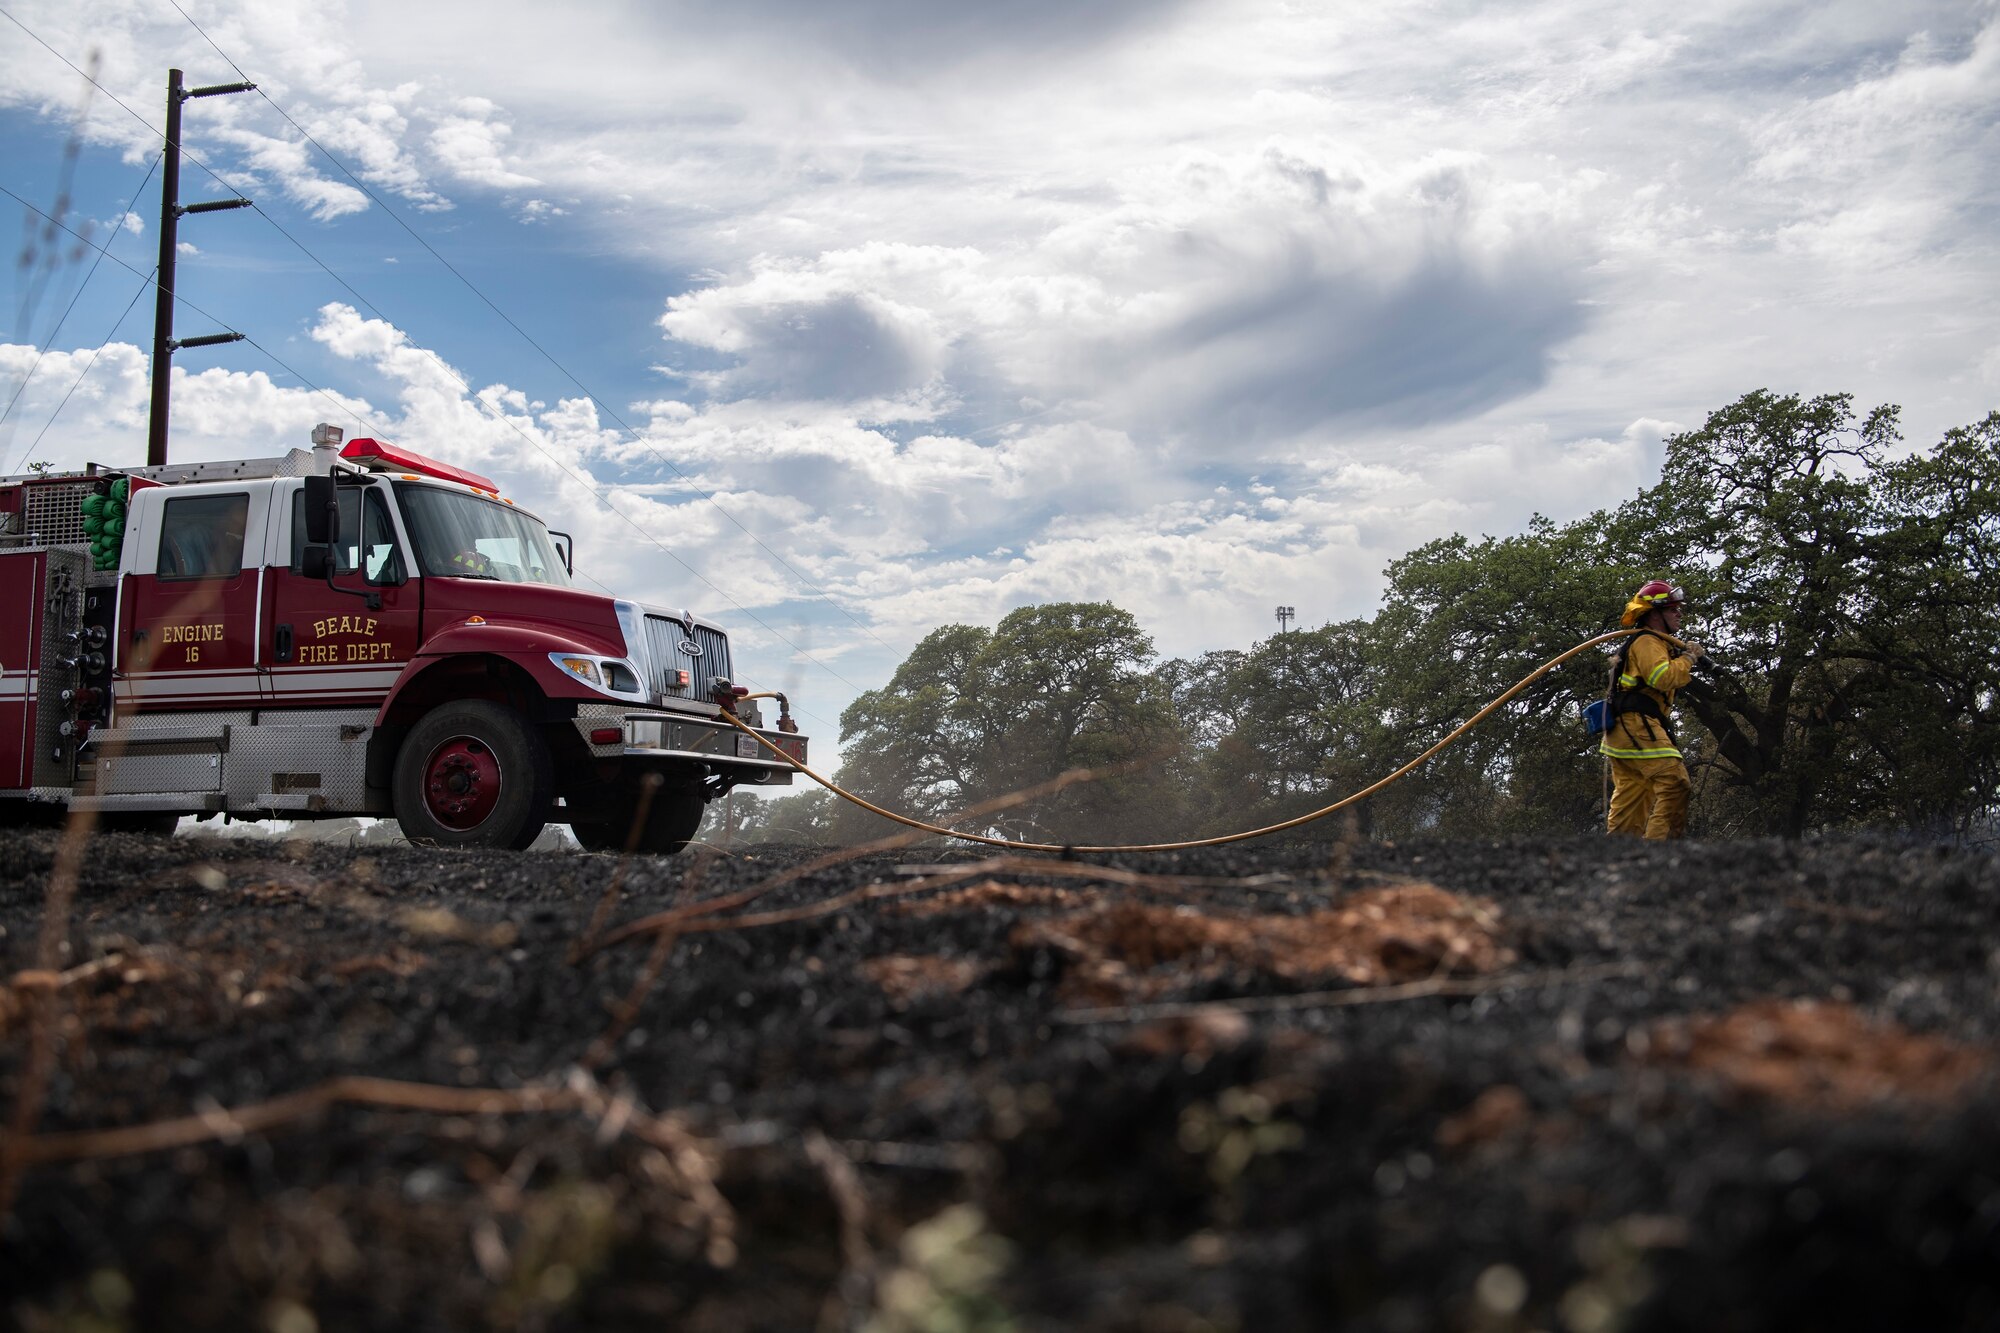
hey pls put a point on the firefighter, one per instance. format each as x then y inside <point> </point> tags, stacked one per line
<point>471,563</point>
<point>1649,780</point>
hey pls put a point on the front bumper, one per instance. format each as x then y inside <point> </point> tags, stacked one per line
<point>712,742</point>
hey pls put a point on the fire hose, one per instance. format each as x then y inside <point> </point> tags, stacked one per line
<point>1221,839</point>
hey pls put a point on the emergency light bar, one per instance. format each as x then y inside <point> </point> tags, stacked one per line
<point>379,456</point>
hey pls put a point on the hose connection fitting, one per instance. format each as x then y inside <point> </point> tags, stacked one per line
<point>785,721</point>
<point>726,694</point>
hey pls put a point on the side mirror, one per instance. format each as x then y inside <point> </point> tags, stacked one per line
<point>322,512</point>
<point>566,548</point>
<point>315,560</point>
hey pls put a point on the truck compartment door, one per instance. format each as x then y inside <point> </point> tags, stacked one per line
<point>20,660</point>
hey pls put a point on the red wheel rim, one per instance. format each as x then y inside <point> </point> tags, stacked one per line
<point>461,783</point>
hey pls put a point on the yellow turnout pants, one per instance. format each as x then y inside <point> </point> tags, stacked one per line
<point>1649,797</point>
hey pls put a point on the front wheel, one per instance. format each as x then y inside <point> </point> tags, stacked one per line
<point>672,817</point>
<point>473,774</point>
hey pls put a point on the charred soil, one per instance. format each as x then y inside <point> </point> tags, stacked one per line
<point>1582,1085</point>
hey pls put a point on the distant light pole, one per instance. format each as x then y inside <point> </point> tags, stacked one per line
<point>1286,614</point>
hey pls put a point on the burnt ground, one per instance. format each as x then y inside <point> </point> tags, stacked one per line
<point>1575,1085</point>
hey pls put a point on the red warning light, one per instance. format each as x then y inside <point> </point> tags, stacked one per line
<point>380,456</point>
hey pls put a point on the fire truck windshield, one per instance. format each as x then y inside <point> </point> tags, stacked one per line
<point>463,536</point>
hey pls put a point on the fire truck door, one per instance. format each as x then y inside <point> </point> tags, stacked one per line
<point>187,631</point>
<point>20,659</point>
<point>325,646</point>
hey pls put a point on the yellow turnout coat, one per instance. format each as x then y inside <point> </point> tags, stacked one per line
<point>1654,669</point>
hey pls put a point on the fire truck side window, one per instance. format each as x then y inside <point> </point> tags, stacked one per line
<point>201,536</point>
<point>376,552</point>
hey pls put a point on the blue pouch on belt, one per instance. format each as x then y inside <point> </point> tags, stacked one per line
<point>1597,717</point>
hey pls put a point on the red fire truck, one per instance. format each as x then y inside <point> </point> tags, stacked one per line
<point>348,631</point>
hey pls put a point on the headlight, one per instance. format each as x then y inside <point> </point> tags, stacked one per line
<point>582,668</point>
<point>606,675</point>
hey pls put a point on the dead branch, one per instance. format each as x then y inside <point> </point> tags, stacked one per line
<point>675,917</point>
<point>649,975</point>
<point>1357,995</point>
<point>259,1117</point>
<point>44,1003</point>
<point>36,979</point>
<point>852,1294</point>
<point>627,1012</point>
<point>1057,868</point>
<point>691,1159</point>
<point>966,1158</point>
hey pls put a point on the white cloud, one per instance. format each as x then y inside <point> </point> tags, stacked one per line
<point>1227,300</point>
<point>470,145</point>
<point>1880,166</point>
<point>105,411</point>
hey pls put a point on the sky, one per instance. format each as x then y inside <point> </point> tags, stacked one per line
<point>840,322</point>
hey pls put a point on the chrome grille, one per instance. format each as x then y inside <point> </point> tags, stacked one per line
<point>666,642</point>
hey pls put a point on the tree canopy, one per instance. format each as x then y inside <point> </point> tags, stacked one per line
<point>1844,586</point>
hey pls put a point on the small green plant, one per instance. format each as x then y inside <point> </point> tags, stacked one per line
<point>1235,1131</point>
<point>102,1303</point>
<point>565,1240</point>
<point>944,1283</point>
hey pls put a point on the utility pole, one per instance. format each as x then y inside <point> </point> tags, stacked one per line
<point>1286,614</point>
<point>171,210</point>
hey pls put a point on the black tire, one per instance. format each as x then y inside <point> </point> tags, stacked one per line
<point>671,822</point>
<point>473,774</point>
<point>152,823</point>
<point>31,814</point>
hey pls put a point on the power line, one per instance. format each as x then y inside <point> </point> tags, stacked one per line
<point>145,286</point>
<point>49,342</point>
<point>454,376</point>
<point>152,280</point>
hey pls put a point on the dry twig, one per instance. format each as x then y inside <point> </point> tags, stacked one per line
<point>1356,995</point>
<point>675,918</point>
<point>853,1292</point>
<point>44,1004</point>
<point>690,1158</point>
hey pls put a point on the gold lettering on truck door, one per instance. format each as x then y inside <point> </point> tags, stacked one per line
<point>189,638</point>
<point>371,648</point>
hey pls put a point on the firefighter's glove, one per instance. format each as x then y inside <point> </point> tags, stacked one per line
<point>1694,653</point>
